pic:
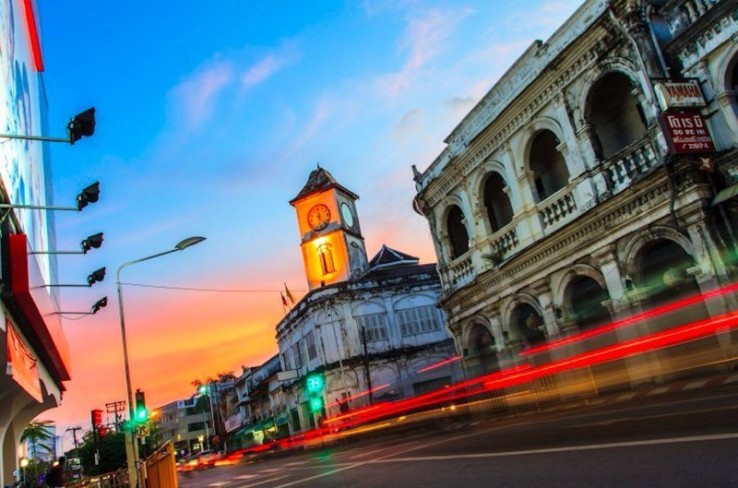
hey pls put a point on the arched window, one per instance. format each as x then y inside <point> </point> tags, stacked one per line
<point>615,115</point>
<point>326,259</point>
<point>457,234</point>
<point>548,165</point>
<point>499,210</point>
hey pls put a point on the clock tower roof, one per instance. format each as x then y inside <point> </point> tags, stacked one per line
<point>320,180</point>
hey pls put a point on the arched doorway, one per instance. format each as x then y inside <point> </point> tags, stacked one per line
<point>483,345</point>
<point>528,325</point>
<point>662,279</point>
<point>584,297</point>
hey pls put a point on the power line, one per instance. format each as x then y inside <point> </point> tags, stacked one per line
<point>213,290</point>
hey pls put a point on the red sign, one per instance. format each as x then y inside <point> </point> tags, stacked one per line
<point>686,133</point>
<point>97,416</point>
<point>23,363</point>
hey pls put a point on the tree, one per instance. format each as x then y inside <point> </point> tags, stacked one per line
<point>112,449</point>
<point>40,436</point>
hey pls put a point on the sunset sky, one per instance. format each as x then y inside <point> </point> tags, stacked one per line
<point>210,118</point>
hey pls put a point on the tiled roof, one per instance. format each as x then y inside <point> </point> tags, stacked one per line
<point>320,180</point>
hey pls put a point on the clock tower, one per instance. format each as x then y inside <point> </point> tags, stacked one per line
<point>332,245</point>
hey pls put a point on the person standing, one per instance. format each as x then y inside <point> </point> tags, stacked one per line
<point>55,476</point>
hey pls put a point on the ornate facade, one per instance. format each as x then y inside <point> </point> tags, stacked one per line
<point>558,206</point>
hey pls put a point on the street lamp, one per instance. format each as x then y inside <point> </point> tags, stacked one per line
<point>180,246</point>
<point>24,462</point>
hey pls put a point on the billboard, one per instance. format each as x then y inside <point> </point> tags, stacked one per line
<point>23,112</point>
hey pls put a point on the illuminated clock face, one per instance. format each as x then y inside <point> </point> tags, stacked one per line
<point>318,217</point>
<point>348,217</point>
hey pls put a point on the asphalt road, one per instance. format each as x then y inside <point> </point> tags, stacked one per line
<point>684,440</point>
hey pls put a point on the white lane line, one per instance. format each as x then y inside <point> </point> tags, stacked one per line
<point>270,470</point>
<point>220,483</point>
<point>249,485</point>
<point>385,448</point>
<point>246,476</point>
<point>297,463</point>
<point>652,442</point>
<point>364,463</point>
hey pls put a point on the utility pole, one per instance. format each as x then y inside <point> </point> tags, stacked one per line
<point>116,409</point>
<point>74,430</point>
<point>366,366</point>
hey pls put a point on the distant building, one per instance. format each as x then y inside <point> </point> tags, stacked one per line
<point>369,327</point>
<point>595,180</point>
<point>186,423</point>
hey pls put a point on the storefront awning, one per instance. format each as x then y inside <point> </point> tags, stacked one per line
<point>725,194</point>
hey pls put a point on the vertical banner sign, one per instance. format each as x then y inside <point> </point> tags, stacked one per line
<point>686,133</point>
<point>22,364</point>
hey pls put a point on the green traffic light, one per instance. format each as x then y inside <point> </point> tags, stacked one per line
<point>316,404</point>
<point>142,415</point>
<point>203,390</point>
<point>315,383</point>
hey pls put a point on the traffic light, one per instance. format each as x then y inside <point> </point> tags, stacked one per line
<point>315,383</point>
<point>96,416</point>
<point>141,414</point>
<point>316,404</point>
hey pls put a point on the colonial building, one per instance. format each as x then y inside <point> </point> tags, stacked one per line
<point>369,327</point>
<point>568,198</point>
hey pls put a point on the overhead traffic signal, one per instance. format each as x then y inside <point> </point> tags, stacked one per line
<point>141,414</point>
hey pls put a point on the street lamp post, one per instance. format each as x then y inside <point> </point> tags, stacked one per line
<point>133,456</point>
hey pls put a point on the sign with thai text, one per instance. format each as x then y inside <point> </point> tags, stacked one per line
<point>679,94</point>
<point>686,133</point>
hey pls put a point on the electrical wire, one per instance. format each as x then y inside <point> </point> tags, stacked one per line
<point>212,290</point>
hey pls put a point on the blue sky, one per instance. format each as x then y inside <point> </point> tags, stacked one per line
<point>210,120</point>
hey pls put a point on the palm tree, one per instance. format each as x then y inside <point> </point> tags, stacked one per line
<point>38,434</point>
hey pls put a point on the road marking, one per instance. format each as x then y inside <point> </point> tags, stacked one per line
<point>369,453</point>
<point>220,483</point>
<point>297,463</point>
<point>615,445</point>
<point>270,470</point>
<point>276,478</point>
<point>246,476</point>
<point>364,463</point>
